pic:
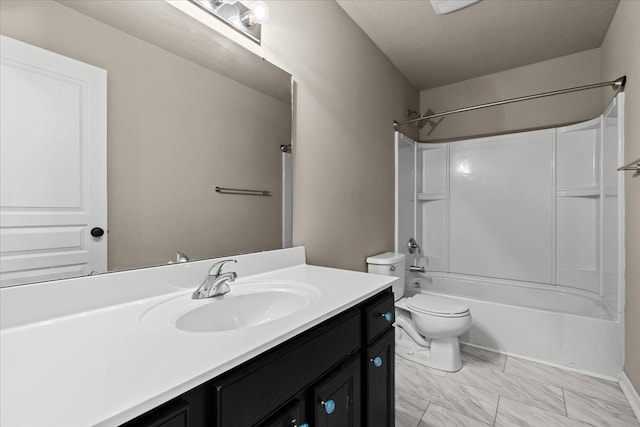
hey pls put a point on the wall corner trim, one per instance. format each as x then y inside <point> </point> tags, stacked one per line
<point>631,394</point>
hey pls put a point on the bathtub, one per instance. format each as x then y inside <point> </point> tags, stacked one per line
<point>552,325</point>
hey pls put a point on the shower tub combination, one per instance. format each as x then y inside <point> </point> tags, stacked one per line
<point>527,229</point>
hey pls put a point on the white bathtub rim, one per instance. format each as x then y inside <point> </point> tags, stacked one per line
<point>538,286</point>
<point>547,363</point>
<point>618,318</point>
<point>539,310</point>
<point>630,393</point>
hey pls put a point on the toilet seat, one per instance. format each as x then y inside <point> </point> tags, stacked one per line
<point>437,306</point>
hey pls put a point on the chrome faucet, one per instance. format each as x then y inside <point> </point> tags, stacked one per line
<point>216,283</point>
<point>416,269</point>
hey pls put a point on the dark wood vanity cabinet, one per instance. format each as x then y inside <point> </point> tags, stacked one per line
<point>337,374</point>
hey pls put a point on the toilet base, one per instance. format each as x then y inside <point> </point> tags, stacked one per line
<point>442,354</point>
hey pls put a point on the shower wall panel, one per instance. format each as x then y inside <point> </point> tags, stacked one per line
<point>433,206</point>
<point>405,193</point>
<point>501,206</point>
<point>578,206</point>
<point>612,216</point>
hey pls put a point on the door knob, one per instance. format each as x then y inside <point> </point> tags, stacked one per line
<point>97,232</point>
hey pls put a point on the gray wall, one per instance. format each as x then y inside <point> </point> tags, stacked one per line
<point>620,56</point>
<point>559,73</point>
<point>175,131</point>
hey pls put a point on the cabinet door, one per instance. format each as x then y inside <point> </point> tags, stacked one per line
<point>337,398</point>
<point>263,385</point>
<point>290,416</point>
<point>380,382</point>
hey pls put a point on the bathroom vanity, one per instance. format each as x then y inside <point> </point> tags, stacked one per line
<point>306,344</point>
<point>339,373</point>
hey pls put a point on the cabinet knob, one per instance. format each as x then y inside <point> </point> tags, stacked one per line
<point>377,361</point>
<point>329,406</point>
<point>388,316</point>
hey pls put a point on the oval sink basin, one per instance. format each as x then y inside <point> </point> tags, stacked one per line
<point>240,311</point>
<point>248,304</point>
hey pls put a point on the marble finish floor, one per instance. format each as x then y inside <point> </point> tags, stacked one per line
<point>496,390</point>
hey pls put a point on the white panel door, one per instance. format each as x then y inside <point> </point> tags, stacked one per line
<point>52,165</point>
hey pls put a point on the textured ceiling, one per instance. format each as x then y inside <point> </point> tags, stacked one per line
<point>490,36</point>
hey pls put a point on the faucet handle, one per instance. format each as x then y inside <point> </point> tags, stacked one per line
<point>181,257</point>
<point>219,265</point>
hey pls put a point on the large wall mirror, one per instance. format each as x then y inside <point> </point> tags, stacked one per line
<point>186,111</point>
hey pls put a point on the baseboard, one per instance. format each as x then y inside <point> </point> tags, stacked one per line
<point>543,362</point>
<point>630,393</point>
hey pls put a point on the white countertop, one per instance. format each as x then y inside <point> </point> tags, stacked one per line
<point>104,366</point>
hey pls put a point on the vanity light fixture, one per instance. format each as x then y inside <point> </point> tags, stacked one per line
<point>246,20</point>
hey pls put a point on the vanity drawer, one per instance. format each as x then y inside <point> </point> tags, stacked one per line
<point>172,414</point>
<point>379,316</point>
<point>259,387</point>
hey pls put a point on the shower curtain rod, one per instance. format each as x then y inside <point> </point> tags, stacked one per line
<point>617,85</point>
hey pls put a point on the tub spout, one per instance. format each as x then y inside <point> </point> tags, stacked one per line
<point>416,269</point>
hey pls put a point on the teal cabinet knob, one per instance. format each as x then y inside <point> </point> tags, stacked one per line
<point>377,361</point>
<point>329,406</point>
<point>388,316</point>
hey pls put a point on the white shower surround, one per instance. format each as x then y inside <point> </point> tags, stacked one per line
<point>580,325</point>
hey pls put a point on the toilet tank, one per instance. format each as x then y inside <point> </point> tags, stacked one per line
<point>389,264</point>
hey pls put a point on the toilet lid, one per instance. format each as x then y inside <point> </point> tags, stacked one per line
<point>433,304</point>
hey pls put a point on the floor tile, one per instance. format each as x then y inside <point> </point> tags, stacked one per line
<point>598,412</point>
<point>594,387</point>
<point>512,414</point>
<point>409,409</point>
<point>437,416</point>
<point>521,389</point>
<point>470,401</point>
<point>477,356</point>
<point>423,368</point>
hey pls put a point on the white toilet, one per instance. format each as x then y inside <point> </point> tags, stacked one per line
<point>427,325</point>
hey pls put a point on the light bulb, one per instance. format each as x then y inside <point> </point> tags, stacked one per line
<point>231,1</point>
<point>258,13</point>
